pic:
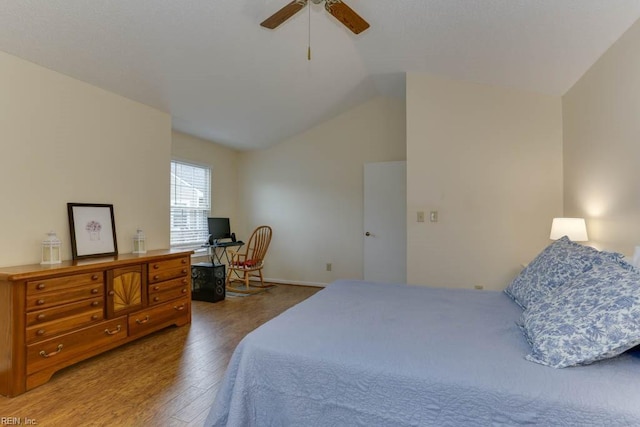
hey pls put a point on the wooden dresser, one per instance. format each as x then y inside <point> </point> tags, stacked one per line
<point>54,316</point>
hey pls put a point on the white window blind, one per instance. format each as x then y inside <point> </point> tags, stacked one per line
<point>190,204</point>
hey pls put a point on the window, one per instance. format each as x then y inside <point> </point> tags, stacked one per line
<point>190,204</point>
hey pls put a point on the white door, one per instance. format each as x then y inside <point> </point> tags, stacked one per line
<point>385,222</point>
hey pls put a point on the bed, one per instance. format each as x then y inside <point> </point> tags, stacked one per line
<point>372,354</point>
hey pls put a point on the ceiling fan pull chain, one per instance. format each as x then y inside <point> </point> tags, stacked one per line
<point>309,45</point>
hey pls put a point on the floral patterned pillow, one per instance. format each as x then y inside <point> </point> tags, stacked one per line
<point>593,317</point>
<point>558,263</point>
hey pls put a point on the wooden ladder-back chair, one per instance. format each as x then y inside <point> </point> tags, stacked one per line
<point>249,264</point>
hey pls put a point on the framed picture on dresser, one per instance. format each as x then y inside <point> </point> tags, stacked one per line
<point>93,230</point>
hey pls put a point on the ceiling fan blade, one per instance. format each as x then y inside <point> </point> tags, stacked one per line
<point>283,14</point>
<point>346,15</point>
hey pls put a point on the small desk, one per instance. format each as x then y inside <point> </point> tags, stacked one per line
<point>217,257</point>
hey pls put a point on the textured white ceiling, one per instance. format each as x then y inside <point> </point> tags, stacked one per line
<point>224,78</point>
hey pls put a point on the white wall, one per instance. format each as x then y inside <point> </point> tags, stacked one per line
<point>223,162</point>
<point>310,190</point>
<point>66,141</point>
<point>489,160</point>
<point>602,147</point>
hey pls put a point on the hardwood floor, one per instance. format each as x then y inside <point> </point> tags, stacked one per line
<point>167,379</point>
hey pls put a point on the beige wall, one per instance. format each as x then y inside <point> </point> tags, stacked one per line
<point>602,147</point>
<point>310,190</point>
<point>223,162</point>
<point>66,141</point>
<point>489,160</point>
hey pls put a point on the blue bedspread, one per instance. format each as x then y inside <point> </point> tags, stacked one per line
<point>368,354</point>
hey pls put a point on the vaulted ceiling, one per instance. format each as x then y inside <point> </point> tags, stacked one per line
<point>225,78</point>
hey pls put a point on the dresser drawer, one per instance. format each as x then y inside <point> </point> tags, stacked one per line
<point>37,287</point>
<point>50,299</point>
<point>66,324</point>
<point>170,269</point>
<point>49,353</point>
<point>164,296</point>
<point>180,282</point>
<point>66,310</point>
<point>160,276</point>
<point>159,316</point>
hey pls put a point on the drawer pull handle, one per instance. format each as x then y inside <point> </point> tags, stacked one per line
<point>156,299</point>
<point>184,271</point>
<point>46,355</point>
<point>108,332</point>
<point>156,277</point>
<point>184,261</point>
<point>179,307</point>
<point>111,293</point>
<point>184,281</point>
<point>40,302</point>
<point>40,286</point>
<point>145,320</point>
<point>156,266</point>
<point>94,317</point>
<point>155,288</point>
<point>40,332</point>
<point>94,291</point>
<point>41,317</point>
<point>184,290</point>
<point>95,303</point>
<point>94,277</point>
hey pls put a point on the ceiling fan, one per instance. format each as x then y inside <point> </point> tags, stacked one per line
<point>337,8</point>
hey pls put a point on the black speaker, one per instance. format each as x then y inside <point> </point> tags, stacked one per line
<point>207,282</point>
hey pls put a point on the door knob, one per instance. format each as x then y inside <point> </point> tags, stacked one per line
<point>367,234</point>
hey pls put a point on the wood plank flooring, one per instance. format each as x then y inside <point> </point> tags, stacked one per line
<point>167,379</point>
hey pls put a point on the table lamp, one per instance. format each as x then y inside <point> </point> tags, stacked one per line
<point>574,228</point>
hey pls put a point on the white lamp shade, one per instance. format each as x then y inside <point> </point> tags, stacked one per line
<point>574,228</point>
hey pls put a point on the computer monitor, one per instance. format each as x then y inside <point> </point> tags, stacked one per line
<point>219,228</point>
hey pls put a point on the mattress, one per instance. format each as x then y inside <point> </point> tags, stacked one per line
<point>372,354</point>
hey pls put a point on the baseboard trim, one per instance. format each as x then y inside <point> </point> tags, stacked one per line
<point>296,282</point>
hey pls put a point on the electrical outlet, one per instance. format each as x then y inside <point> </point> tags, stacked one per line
<point>329,266</point>
<point>420,216</point>
<point>433,216</point>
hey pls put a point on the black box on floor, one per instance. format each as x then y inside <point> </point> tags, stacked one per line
<point>207,282</point>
